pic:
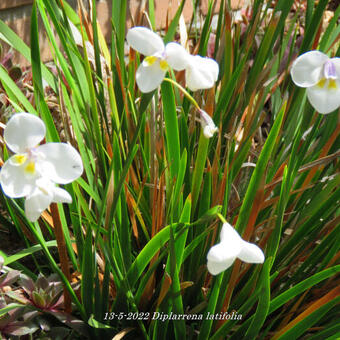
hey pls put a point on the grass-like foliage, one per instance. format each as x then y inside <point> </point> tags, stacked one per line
<point>131,249</point>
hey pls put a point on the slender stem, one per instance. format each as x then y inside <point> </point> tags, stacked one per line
<point>223,220</point>
<point>58,231</point>
<point>184,91</point>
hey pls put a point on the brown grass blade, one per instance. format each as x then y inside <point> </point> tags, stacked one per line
<point>314,307</point>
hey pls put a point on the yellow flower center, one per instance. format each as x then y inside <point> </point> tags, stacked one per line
<point>332,85</point>
<point>19,159</point>
<point>150,59</point>
<point>322,82</point>
<point>163,65</point>
<point>30,168</point>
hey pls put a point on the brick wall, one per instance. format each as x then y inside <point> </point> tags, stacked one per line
<point>16,14</point>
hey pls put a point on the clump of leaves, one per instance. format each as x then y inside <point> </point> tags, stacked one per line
<point>15,319</point>
<point>18,321</point>
<point>34,306</point>
<point>44,294</point>
<point>8,277</point>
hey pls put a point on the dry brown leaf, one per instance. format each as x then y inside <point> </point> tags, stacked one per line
<point>122,333</point>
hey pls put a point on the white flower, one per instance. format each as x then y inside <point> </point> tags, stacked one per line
<point>33,171</point>
<point>44,193</point>
<point>158,58</point>
<point>208,125</point>
<point>321,76</point>
<point>201,73</point>
<point>231,246</point>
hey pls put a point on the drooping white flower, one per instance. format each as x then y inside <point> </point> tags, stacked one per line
<point>208,125</point>
<point>320,74</point>
<point>33,170</point>
<point>222,255</point>
<point>158,57</point>
<point>201,73</point>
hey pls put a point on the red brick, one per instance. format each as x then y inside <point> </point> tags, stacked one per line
<point>104,11</point>
<point>6,4</point>
<point>163,8</point>
<point>235,5</point>
<point>21,25</point>
<point>19,19</point>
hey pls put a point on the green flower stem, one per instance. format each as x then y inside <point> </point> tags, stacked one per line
<point>184,91</point>
<point>223,220</point>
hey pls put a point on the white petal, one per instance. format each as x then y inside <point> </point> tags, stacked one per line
<point>222,255</point>
<point>36,203</point>
<point>329,70</point>
<point>24,131</point>
<point>216,268</point>
<point>229,234</point>
<point>336,62</point>
<point>213,67</point>
<point>208,132</point>
<point>208,125</point>
<point>59,162</point>
<point>57,194</point>
<point>251,253</point>
<point>201,73</point>
<point>220,258</point>
<point>307,69</point>
<point>144,41</point>
<point>324,100</point>
<point>31,214</point>
<point>176,56</point>
<point>61,196</point>
<point>149,77</point>
<point>15,183</point>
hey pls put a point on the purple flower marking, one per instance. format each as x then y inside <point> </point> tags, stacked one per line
<point>329,70</point>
